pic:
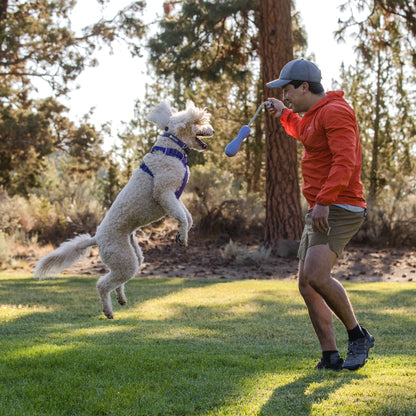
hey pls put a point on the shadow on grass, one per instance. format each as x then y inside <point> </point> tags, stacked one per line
<point>298,397</point>
<point>159,377</point>
<point>78,295</point>
<point>191,358</point>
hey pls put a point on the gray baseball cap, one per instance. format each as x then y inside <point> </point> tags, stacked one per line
<point>300,70</point>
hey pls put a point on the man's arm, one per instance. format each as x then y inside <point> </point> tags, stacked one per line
<point>343,141</point>
<point>289,120</point>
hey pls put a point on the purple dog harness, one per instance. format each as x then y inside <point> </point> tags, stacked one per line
<point>175,153</point>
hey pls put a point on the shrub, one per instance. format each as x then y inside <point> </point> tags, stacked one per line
<point>58,220</point>
<point>51,219</point>
<point>14,214</point>
<point>220,204</point>
<point>390,225</point>
<point>234,253</point>
<point>5,249</point>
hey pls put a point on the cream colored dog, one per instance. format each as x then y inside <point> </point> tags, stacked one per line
<point>152,192</point>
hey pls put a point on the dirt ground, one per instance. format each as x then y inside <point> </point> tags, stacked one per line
<point>207,259</point>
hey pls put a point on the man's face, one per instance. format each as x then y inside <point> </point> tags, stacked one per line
<point>294,98</point>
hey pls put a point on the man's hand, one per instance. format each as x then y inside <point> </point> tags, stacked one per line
<point>320,218</point>
<point>276,108</point>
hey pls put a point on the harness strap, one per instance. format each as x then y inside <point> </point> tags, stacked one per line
<point>178,193</point>
<point>171,152</point>
<point>174,153</point>
<point>144,167</point>
<point>180,143</point>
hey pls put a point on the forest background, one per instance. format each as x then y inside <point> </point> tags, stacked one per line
<point>58,179</point>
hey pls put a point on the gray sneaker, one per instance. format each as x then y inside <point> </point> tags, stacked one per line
<point>358,351</point>
<point>335,363</point>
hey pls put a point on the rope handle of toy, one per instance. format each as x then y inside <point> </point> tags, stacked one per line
<point>258,110</point>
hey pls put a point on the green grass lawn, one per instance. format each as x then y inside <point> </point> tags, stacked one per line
<point>196,347</point>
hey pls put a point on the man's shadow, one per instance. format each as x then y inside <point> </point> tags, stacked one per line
<point>298,397</point>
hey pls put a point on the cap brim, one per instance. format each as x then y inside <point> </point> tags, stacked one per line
<point>278,83</point>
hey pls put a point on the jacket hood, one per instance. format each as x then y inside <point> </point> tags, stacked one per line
<point>330,96</point>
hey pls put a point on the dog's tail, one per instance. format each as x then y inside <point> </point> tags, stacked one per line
<point>64,256</point>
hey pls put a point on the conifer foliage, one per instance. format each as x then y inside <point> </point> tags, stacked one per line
<point>37,43</point>
<point>225,42</point>
<point>381,88</point>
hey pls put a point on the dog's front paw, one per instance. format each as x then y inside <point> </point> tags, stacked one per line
<point>180,240</point>
<point>108,314</point>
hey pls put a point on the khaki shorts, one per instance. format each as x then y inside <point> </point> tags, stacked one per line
<point>343,225</point>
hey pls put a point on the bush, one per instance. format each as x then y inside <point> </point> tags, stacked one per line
<point>234,253</point>
<point>220,204</point>
<point>50,221</point>
<point>58,220</point>
<point>5,249</point>
<point>14,214</point>
<point>390,226</point>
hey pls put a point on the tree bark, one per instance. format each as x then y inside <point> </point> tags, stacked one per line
<point>3,9</point>
<point>283,212</point>
<point>374,169</point>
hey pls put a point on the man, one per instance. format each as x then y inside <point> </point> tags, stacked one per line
<point>331,169</point>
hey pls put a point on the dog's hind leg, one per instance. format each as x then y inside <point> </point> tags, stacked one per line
<point>105,297</point>
<point>137,249</point>
<point>121,297</point>
<point>120,256</point>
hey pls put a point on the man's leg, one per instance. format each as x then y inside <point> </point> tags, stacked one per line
<point>319,313</point>
<point>322,294</point>
<point>322,320</point>
<point>316,273</point>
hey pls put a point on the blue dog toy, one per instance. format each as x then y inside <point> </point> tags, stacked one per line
<point>234,146</point>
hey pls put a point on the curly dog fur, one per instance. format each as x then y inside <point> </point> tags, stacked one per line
<point>148,196</point>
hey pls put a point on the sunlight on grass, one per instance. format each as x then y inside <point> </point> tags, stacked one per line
<point>397,312</point>
<point>39,350</point>
<point>189,332</point>
<point>97,330</point>
<point>314,387</point>
<point>394,394</point>
<point>10,313</point>
<point>196,348</point>
<point>237,299</point>
<point>294,313</point>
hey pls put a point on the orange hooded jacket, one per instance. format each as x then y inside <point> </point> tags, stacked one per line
<point>331,161</point>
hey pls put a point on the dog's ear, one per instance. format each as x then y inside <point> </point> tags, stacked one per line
<point>189,104</point>
<point>161,114</point>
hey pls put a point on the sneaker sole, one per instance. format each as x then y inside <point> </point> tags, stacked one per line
<point>328,368</point>
<point>321,366</point>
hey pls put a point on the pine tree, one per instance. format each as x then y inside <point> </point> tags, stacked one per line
<point>36,42</point>
<point>209,43</point>
<point>283,213</point>
<point>380,89</point>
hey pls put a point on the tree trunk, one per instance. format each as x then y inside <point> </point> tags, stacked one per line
<point>3,9</point>
<point>257,149</point>
<point>374,169</point>
<point>283,212</point>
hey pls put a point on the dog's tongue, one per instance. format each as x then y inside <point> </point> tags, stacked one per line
<point>201,143</point>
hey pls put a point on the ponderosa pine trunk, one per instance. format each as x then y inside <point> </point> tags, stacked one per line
<point>283,211</point>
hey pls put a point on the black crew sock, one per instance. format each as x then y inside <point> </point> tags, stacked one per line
<point>355,333</point>
<point>326,355</point>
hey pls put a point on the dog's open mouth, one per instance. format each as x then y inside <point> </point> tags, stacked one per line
<point>202,144</point>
